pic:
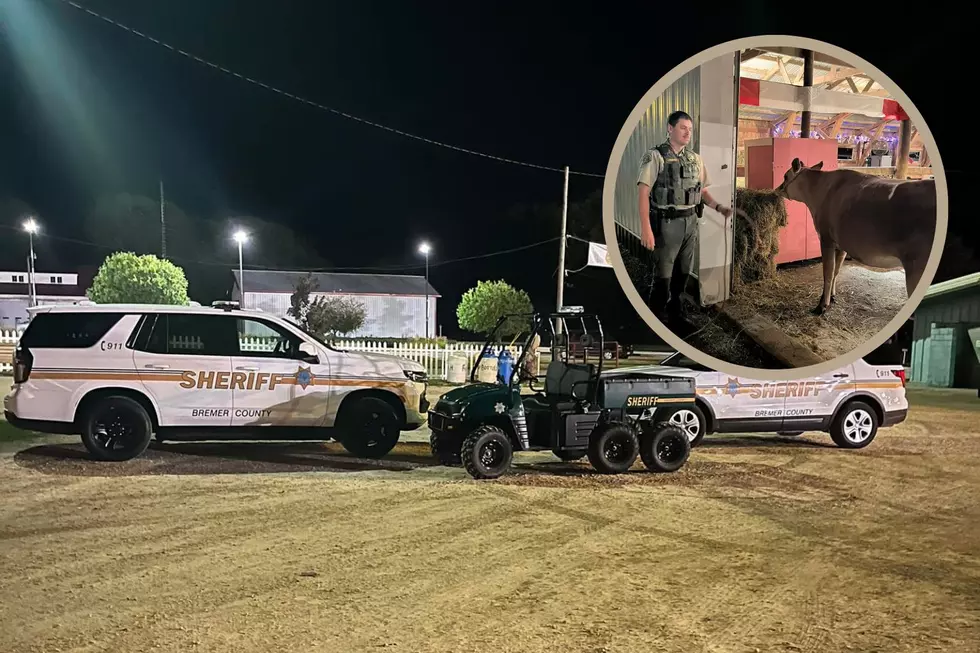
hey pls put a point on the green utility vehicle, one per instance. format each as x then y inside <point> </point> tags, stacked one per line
<point>578,412</point>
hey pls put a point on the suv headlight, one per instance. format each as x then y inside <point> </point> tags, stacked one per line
<point>418,377</point>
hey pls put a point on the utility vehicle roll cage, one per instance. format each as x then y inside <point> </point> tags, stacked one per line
<point>554,324</point>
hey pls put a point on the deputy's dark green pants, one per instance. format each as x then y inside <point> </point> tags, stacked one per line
<point>674,253</point>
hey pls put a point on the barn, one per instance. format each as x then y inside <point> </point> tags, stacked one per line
<point>395,305</point>
<point>944,351</point>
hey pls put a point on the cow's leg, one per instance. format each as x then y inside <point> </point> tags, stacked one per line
<point>838,262</point>
<point>829,254</point>
<point>913,273</point>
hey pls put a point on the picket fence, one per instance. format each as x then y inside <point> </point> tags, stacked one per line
<point>435,358</point>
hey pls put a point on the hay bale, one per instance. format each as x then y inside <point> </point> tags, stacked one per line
<point>756,239</point>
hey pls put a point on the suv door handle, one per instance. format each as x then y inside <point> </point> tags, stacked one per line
<point>248,368</point>
<point>157,366</point>
<point>841,376</point>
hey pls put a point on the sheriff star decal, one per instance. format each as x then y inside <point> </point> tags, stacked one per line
<point>304,377</point>
<point>732,387</point>
<point>500,408</point>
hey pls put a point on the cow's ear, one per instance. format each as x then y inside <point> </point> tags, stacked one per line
<point>817,166</point>
<point>797,165</point>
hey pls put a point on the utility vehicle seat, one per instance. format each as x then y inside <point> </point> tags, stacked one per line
<point>560,380</point>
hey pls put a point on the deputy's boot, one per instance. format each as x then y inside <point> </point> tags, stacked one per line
<point>660,298</point>
<point>678,284</point>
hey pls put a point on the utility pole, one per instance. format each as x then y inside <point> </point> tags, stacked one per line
<point>561,251</point>
<point>163,224</point>
<point>31,227</point>
<point>424,249</point>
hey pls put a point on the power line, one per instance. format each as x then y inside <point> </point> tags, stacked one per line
<point>314,104</point>
<point>378,268</point>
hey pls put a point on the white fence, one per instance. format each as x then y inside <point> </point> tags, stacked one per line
<point>434,358</point>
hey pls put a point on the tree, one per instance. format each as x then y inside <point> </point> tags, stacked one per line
<point>336,316</point>
<point>322,316</point>
<point>481,307</point>
<point>299,301</point>
<point>126,278</point>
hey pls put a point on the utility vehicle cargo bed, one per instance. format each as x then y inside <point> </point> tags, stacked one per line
<point>644,390</point>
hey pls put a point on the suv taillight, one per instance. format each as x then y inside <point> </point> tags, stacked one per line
<point>22,363</point>
<point>900,374</point>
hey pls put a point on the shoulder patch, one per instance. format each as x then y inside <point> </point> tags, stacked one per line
<point>646,158</point>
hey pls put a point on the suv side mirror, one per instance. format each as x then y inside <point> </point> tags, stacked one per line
<point>307,353</point>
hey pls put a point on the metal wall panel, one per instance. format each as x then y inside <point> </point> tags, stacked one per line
<point>684,94</point>
<point>960,308</point>
<point>388,316</point>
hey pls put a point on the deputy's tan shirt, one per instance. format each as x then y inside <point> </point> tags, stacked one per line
<point>652,162</point>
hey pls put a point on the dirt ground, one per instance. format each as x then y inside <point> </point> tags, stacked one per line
<point>760,544</point>
<point>867,299</point>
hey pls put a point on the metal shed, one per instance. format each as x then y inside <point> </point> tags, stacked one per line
<point>395,304</point>
<point>943,352</point>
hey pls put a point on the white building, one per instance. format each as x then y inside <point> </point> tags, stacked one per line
<point>51,288</point>
<point>394,303</point>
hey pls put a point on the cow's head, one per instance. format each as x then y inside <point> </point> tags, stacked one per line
<point>789,190</point>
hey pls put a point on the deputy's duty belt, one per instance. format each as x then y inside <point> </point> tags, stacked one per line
<point>672,212</point>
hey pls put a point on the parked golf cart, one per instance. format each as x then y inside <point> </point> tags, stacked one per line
<point>576,413</point>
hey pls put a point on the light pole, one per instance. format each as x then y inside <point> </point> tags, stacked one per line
<point>31,227</point>
<point>424,249</point>
<point>240,238</point>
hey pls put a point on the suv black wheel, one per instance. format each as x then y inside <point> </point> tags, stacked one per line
<point>665,447</point>
<point>487,452</point>
<point>855,426</point>
<point>613,448</point>
<point>116,428</point>
<point>369,428</point>
<point>445,448</point>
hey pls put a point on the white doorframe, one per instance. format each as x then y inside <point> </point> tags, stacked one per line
<point>718,139</point>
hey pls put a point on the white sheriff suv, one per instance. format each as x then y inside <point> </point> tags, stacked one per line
<point>117,374</point>
<point>850,403</point>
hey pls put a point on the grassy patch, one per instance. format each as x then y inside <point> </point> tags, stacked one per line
<point>10,433</point>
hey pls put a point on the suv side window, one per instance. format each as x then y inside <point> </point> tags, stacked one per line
<point>261,339</point>
<point>68,330</point>
<point>190,334</point>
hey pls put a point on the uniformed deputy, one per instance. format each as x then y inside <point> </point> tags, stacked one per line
<point>671,185</point>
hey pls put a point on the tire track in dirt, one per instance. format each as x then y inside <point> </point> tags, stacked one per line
<point>755,612</point>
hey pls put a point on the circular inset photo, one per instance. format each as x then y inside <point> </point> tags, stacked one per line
<point>775,207</point>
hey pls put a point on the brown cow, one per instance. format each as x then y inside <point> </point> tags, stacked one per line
<point>882,223</point>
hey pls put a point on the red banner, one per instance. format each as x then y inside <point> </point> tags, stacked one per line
<point>748,91</point>
<point>893,110</point>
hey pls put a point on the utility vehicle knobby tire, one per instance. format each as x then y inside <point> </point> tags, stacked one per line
<point>689,418</point>
<point>487,452</point>
<point>445,448</point>
<point>613,448</point>
<point>855,426</point>
<point>665,447</point>
<point>369,428</point>
<point>571,455</point>
<point>116,428</point>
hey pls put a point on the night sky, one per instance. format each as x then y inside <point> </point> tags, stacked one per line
<point>88,109</point>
